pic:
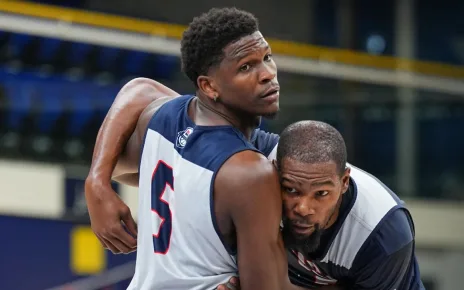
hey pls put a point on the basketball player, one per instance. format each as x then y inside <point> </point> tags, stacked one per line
<point>311,231</point>
<point>340,224</point>
<point>207,196</point>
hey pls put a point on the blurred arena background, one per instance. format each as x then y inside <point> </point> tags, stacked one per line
<point>388,74</point>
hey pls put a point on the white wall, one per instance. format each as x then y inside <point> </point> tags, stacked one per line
<point>31,189</point>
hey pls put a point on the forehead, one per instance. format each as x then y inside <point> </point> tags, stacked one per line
<point>308,171</point>
<point>246,45</point>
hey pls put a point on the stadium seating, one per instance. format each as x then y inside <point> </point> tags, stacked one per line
<point>54,95</point>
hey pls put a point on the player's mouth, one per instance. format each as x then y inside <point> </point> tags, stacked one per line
<point>302,229</point>
<point>271,95</point>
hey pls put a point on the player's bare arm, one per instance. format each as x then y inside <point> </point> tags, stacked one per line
<point>120,123</point>
<point>234,284</point>
<point>126,170</point>
<point>105,208</point>
<point>247,190</point>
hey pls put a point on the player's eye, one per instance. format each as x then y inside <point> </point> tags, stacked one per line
<point>290,190</point>
<point>245,67</point>
<point>268,57</point>
<point>322,193</point>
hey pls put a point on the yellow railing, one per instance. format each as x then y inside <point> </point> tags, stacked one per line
<point>278,46</point>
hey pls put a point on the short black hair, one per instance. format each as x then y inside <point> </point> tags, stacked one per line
<point>203,42</point>
<point>312,142</point>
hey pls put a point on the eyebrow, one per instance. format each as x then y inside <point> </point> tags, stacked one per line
<point>241,55</point>
<point>284,179</point>
<point>322,183</point>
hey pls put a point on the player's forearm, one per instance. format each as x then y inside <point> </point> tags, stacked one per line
<point>264,276</point>
<point>120,123</point>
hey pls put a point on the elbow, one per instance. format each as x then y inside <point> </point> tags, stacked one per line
<point>143,91</point>
<point>140,82</point>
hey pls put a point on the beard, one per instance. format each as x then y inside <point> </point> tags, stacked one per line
<point>306,244</point>
<point>271,116</point>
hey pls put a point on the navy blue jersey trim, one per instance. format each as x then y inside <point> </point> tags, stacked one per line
<point>231,251</point>
<point>342,218</point>
<point>373,233</point>
<point>393,195</point>
<point>142,146</point>
<point>264,141</point>
<point>209,146</point>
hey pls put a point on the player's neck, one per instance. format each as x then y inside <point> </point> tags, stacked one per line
<point>205,114</point>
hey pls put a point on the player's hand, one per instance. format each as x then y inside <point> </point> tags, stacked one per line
<point>110,218</point>
<point>233,284</point>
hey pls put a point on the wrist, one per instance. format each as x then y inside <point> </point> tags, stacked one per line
<point>97,184</point>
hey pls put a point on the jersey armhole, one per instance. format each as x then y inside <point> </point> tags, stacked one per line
<point>231,251</point>
<point>142,147</point>
<point>374,235</point>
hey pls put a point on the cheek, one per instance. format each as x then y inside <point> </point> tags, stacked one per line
<point>288,202</point>
<point>273,66</point>
<point>237,90</point>
<point>329,208</point>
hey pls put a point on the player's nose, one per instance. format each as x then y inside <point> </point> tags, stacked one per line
<point>267,73</point>
<point>304,208</point>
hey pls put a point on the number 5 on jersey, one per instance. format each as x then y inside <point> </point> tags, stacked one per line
<point>162,184</point>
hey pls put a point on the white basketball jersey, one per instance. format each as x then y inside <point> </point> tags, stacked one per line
<point>179,244</point>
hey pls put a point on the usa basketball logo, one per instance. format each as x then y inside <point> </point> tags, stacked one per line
<point>182,137</point>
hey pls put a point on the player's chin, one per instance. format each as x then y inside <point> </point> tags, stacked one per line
<point>270,111</point>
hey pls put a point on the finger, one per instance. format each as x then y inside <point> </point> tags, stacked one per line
<point>123,236</point>
<point>120,245</point>
<point>111,247</point>
<point>102,242</point>
<point>234,281</point>
<point>130,224</point>
<point>230,286</point>
<point>221,287</point>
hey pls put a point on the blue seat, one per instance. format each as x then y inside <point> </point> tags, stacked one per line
<point>78,53</point>
<point>134,62</point>
<point>19,99</point>
<point>165,66</point>
<point>81,108</point>
<point>18,43</point>
<point>50,101</point>
<point>104,97</point>
<point>108,56</point>
<point>48,49</point>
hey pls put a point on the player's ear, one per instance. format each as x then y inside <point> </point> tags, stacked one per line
<point>346,179</point>
<point>207,87</point>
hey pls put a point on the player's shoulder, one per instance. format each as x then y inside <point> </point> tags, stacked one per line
<point>148,113</point>
<point>395,231</point>
<point>373,199</point>
<point>266,142</point>
<point>392,235</point>
<point>174,104</point>
<point>246,181</point>
<point>249,159</point>
<point>248,167</point>
<point>382,214</point>
<point>166,115</point>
